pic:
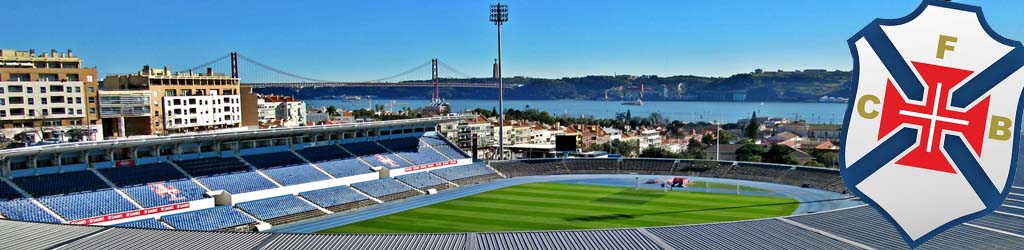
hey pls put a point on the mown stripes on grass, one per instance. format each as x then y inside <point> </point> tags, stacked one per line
<point>556,206</point>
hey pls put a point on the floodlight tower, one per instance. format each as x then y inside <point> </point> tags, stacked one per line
<point>499,15</point>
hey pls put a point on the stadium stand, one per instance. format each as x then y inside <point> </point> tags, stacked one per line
<point>531,167</point>
<point>296,174</point>
<point>596,166</point>
<point>335,161</point>
<point>154,185</point>
<point>273,160</point>
<point>647,166</point>
<point>88,204</point>
<point>237,183</point>
<point>337,199</point>
<point>75,195</point>
<point>220,218</point>
<point>375,155</point>
<point>757,172</point>
<point>444,147</point>
<point>414,150</point>
<point>24,209</point>
<point>467,174</point>
<point>280,209</point>
<point>424,181</point>
<point>212,166</point>
<point>385,189</point>
<point>146,223</point>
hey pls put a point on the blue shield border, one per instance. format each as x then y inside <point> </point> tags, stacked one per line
<point>1009,63</point>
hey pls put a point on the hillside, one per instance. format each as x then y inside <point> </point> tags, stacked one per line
<point>792,86</point>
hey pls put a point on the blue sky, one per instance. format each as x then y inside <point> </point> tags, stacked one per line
<point>361,40</point>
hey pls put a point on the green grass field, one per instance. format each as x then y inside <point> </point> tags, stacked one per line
<point>554,206</point>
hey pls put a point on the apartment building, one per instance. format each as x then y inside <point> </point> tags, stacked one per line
<point>47,97</point>
<point>181,101</point>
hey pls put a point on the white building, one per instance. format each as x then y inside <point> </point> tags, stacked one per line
<point>202,111</point>
<point>284,111</point>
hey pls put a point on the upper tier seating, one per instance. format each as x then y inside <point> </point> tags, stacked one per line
<point>422,180</point>
<point>375,155</point>
<point>8,193</point>
<point>214,218</point>
<point>647,166</point>
<point>165,193</point>
<point>62,183</point>
<point>335,196</point>
<point>88,204</point>
<point>280,209</point>
<point>212,166</point>
<point>597,166</point>
<point>296,174</point>
<point>146,223</point>
<point>155,184</point>
<point>238,182</point>
<point>335,161</point>
<point>444,147</point>
<point>365,148</point>
<point>531,167</point>
<point>414,150</point>
<point>273,160</point>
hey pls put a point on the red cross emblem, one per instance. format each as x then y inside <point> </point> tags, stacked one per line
<point>934,116</point>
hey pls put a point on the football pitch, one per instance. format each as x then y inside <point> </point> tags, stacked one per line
<point>555,206</point>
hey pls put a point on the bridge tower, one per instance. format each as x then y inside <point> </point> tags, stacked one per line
<point>234,64</point>
<point>436,99</point>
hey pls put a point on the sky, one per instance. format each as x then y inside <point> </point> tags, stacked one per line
<point>350,40</point>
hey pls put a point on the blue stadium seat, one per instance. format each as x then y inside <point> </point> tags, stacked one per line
<point>465,171</point>
<point>62,183</point>
<point>8,193</point>
<point>24,209</point>
<point>421,180</point>
<point>142,174</point>
<point>365,148</point>
<point>334,196</point>
<point>323,153</point>
<point>275,207</point>
<point>238,183</point>
<point>212,166</point>
<point>214,218</point>
<point>88,204</point>
<point>335,161</point>
<point>414,150</point>
<point>146,223</point>
<point>296,174</point>
<point>381,187</point>
<point>442,146</point>
<point>165,193</point>
<point>273,160</point>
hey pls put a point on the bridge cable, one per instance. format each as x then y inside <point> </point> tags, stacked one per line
<point>268,67</point>
<point>201,66</point>
<point>453,70</point>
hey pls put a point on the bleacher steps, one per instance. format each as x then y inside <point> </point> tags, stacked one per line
<point>393,152</point>
<point>17,188</point>
<point>190,177</point>
<point>257,171</point>
<point>445,180</point>
<point>315,166</point>
<point>166,224</point>
<point>496,170</point>
<point>407,185</point>
<point>313,204</point>
<point>49,210</point>
<point>432,148</point>
<point>117,189</point>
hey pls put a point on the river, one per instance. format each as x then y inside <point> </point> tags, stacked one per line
<point>827,113</point>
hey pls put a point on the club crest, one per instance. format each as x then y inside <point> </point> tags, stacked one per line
<point>931,130</point>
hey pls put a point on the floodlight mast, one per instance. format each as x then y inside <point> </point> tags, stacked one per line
<point>499,15</point>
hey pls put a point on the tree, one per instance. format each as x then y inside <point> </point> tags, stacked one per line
<point>753,128</point>
<point>750,152</point>
<point>779,154</point>
<point>332,111</point>
<point>494,111</point>
<point>629,115</point>
<point>656,152</point>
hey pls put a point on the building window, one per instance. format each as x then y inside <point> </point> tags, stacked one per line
<point>14,89</point>
<point>67,89</point>
<point>42,90</point>
<point>73,77</point>
<point>57,111</point>
<point>19,78</point>
<point>3,113</point>
<point>92,110</point>
<point>92,99</point>
<point>78,100</point>
<point>18,112</point>
<point>28,90</point>
<point>2,102</point>
<point>78,89</point>
<point>46,112</point>
<point>42,100</point>
<point>70,100</point>
<point>16,100</point>
<point>56,99</point>
<point>91,89</point>
<point>78,111</point>
<point>48,77</point>
<point>31,101</point>
<point>56,88</point>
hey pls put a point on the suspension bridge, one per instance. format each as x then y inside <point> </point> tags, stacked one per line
<point>261,75</point>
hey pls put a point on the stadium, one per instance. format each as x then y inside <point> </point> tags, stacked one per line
<point>398,185</point>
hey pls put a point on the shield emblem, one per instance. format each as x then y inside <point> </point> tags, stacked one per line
<point>931,132</point>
